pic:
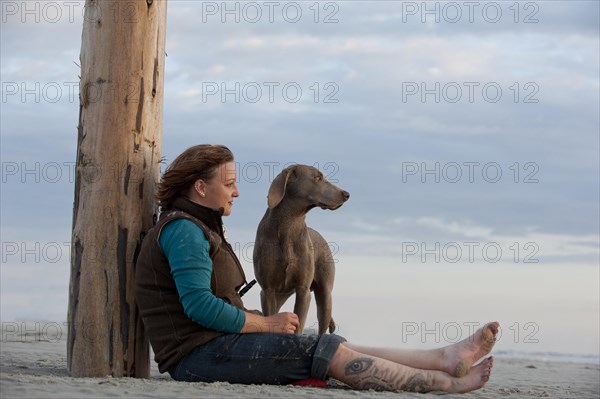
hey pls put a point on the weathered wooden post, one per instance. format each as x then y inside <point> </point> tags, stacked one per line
<point>118,164</point>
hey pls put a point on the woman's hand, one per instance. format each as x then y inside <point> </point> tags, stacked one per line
<point>282,323</point>
<point>286,322</point>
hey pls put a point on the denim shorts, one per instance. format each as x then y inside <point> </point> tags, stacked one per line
<point>259,359</point>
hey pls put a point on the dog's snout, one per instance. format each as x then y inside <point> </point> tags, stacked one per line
<point>345,195</point>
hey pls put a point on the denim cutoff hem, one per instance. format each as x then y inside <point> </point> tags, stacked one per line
<point>274,359</point>
<point>326,348</point>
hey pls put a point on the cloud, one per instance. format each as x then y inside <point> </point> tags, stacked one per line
<point>467,231</point>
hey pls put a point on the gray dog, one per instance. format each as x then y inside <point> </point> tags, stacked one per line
<point>291,258</point>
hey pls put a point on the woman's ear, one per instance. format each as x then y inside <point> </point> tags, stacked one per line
<point>200,187</point>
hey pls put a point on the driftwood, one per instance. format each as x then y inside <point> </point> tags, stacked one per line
<point>118,164</point>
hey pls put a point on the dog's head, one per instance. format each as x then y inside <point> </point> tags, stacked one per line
<point>306,186</point>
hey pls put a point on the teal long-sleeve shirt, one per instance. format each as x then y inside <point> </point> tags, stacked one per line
<point>187,249</point>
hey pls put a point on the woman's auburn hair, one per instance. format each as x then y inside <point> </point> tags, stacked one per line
<point>197,162</point>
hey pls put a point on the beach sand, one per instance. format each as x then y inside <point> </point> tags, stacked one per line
<point>31,367</point>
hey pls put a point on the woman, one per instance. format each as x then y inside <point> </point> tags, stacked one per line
<point>187,284</point>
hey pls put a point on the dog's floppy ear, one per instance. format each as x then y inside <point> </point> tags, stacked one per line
<point>277,189</point>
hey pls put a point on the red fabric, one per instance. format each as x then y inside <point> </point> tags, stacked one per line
<point>311,382</point>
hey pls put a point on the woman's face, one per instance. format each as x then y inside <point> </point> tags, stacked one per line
<point>220,191</point>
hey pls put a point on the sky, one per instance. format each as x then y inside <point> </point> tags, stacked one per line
<point>467,134</point>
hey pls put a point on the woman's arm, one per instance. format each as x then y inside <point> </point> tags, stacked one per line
<point>187,249</point>
<point>286,323</point>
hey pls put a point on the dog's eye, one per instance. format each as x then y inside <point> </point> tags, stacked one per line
<point>318,178</point>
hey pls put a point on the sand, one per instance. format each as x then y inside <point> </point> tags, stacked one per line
<point>36,368</point>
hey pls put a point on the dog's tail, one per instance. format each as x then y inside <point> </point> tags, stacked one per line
<point>331,326</point>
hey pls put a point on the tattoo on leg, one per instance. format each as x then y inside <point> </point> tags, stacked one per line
<point>364,375</point>
<point>416,383</point>
<point>358,366</point>
<point>375,386</point>
<point>461,369</point>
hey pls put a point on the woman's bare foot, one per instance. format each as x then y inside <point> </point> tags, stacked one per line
<point>476,379</point>
<point>457,359</point>
<point>361,371</point>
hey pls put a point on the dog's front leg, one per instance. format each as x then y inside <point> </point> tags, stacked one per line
<point>268,301</point>
<point>301,306</point>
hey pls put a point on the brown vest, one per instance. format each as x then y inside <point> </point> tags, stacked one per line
<point>171,332</point>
